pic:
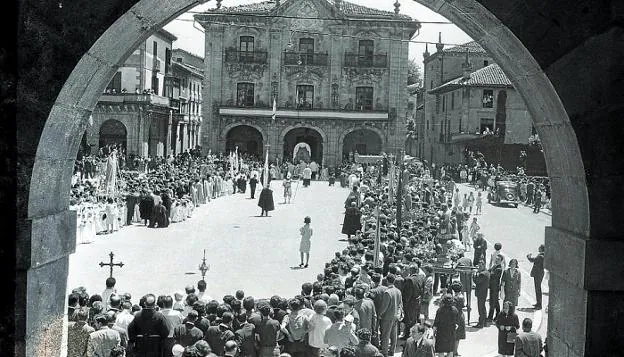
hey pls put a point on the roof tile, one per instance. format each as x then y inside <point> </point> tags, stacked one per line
<point>472,46</point>
<point>491,75</point>
<point>347,8</point>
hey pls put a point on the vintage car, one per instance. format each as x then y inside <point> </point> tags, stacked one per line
<point>504,192</point>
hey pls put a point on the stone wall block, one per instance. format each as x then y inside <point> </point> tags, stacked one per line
<point>572,218</point>
<point>567,314</point>
<point>563,248</point>
<point>53,237</point>
<point>50,185</point>
<point>46,288</point>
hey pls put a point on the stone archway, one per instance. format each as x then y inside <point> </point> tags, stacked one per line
<point>48,199</point>
<point>323,140</point>
<point>247,139</point>
<point>350,140</point>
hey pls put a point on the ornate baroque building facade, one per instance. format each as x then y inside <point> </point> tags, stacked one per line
<point>334,72</point>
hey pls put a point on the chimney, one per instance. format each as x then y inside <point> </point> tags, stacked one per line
<point>426,54</point>
<point>439,45</point>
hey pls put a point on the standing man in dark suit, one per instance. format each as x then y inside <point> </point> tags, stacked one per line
<point>537,272</point>
<point>390,313</point>
<point>246,336</point>
<point>482,283</point>
<point>413,289</point>
<point>253,182</point>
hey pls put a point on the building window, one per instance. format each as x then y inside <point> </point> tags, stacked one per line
<point>365,52</point>
<point>306,49</point>
<point>427,124</point>
<point>533,130</point>
<point>167,60</point>
<point>488,98</point>
<point>245,94</point>
<point>487,126</point>
<point>443,103</point>
<point>486,63</point>
<point>431,84</point>
<point>364,97</point>
<point>246,48</point>
<point>334,96</point>
<point>452,100</point>
<point>305,97</point>
<point>155,85</point>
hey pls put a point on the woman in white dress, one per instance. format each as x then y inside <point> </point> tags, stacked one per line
<point>304,245</point>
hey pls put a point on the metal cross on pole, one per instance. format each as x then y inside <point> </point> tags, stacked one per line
<point>203,268</point>
<point>111,264</point>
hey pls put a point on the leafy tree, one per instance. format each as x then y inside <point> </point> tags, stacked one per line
<point>413,73</point>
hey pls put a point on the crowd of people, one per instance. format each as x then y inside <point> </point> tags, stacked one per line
<point>370,295</point>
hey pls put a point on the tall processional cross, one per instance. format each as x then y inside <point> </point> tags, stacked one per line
<point>111,264</point>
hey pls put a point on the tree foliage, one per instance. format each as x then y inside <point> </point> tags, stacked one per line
<point>413,73</point>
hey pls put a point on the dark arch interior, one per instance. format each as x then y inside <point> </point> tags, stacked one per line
<point>113,132</point>
<point>304,135</point>
<point>362,141</point>
<point>247,138</point>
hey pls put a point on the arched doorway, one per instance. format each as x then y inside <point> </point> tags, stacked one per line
<point>247,138</point>
<point>113,132</point>
<point>362,141</point>
<point>305,135</point>
<point>571,194</point>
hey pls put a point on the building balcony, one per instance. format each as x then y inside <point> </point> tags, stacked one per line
<point>252,57</point>
<point>365,61</point>
<point>305,59</point>
<point>132,98</point>
<point>266,112</point>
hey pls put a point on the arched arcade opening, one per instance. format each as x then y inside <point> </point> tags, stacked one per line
<point>246,138</point>
<point>309,136</point>
<point>113,133</point>
<point>362,141</point>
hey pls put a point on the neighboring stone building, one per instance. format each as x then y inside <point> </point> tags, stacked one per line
<point>186,86</point>
<point>336,71</point>
<point>471,105</point>
<point>145,108</point>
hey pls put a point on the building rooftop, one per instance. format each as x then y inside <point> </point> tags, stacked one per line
<point>167,34</point>
<point>346,8</point>
<point>490,76</point>
<point>472,47</point>
<point>187,53</point>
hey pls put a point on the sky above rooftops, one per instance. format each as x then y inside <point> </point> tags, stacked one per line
<point>191,39</point>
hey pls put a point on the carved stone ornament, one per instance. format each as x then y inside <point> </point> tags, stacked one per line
<point>309,73</point>
<point>307,21</point>
<point>246,71</point>
<point>374,75</point>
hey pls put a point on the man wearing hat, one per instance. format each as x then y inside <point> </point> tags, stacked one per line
<point>341,333</point>
<point>365,348</point>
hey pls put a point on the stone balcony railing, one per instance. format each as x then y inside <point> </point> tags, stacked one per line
<point>264,112</point>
